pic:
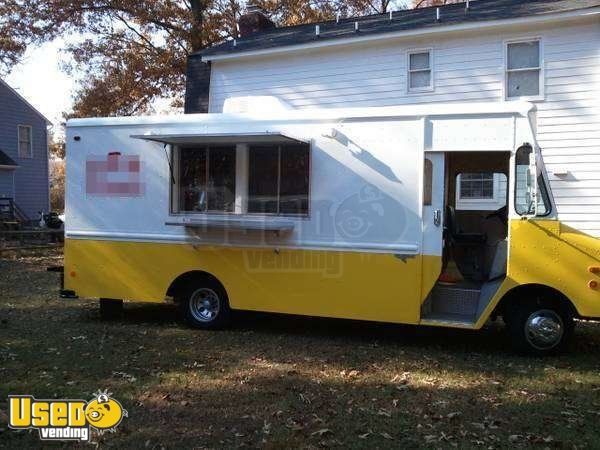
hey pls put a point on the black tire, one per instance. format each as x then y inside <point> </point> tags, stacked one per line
<point>204,304</point>
<point>539,327</point>
<point>111,309</point>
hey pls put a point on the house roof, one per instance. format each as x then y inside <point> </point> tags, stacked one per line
<point>6,161</point>
<point>421,19</point>
<point>24,100</point>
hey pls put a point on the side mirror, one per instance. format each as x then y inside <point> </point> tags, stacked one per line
<point>532,184</point>
<point>526,182</point>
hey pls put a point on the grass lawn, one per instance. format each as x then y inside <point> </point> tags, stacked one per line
<point>279,382</point>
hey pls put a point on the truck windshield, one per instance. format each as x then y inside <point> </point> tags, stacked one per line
<point>524,186</point>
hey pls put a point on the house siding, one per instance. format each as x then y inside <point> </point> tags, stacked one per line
<point>31,176</point>
<point>6,184</point>
<point>466,68</point>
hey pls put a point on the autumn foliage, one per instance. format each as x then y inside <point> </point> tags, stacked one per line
<point>128,53</point>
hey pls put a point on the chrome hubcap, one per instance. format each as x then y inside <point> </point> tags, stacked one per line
<point>544,329</point>
<point>205,305</point>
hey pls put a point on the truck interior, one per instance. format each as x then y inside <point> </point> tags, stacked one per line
<point>475,243</point>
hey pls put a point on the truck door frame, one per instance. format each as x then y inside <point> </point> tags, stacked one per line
<point>433,201</point>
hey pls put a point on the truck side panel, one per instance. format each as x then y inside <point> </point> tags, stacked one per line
<point>550,253</point>
<point>365,286</point>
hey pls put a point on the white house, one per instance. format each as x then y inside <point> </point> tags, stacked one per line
<point>544,51</point>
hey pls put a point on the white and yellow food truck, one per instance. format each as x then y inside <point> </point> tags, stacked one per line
<point>370,213</point>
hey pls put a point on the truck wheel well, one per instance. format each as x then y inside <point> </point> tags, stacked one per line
<point>182,281</point>
<point>532,291</point>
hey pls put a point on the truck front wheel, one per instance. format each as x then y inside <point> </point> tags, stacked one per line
<point>539,328</point>
<point>205,305</point>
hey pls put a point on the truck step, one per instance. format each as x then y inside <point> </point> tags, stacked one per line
<point>452,303</point>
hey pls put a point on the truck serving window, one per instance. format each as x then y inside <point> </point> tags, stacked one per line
<point>524,186</point>
<point>278,179</point>
<point>207,179</point>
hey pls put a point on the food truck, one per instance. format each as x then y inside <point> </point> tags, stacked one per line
<point>342,213</point>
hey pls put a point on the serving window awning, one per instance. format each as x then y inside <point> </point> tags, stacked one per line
<point>222,138</point>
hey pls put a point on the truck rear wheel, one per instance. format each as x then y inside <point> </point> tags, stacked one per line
<point>539,328</point>
<point>205,305</point>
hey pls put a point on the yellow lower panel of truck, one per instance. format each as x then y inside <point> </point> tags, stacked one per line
<point>552,254</point>
<point>366,286</point>
<point>353,285</point>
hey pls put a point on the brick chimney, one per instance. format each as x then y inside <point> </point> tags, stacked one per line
<point>254,21</point>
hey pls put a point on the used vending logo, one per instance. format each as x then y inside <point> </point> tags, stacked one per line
<point>65,420</point>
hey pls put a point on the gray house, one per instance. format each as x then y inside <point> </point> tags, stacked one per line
<point>24,187</point>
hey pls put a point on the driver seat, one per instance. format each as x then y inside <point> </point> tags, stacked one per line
<point>456,235</point>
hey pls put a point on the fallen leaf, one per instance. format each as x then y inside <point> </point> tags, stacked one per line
<point>321,432</point>
<point>515,438</point>
<point>384,412</point>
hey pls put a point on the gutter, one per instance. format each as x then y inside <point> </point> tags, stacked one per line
<point>534,20</point>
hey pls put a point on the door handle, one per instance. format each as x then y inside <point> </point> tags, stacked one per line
<point>437,217</point>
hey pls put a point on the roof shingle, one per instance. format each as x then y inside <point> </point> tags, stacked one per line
<point>412,19</point>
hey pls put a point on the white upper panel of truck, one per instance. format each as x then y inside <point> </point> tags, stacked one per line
<point>365,172</point>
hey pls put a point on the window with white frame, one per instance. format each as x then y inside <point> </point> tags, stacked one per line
<point>476,185</point>
<point>420,74</point>
<point>523,69</point>
<point>270,179</point>
<point>25,141</point>
<point>206,179</point>
<point>278,179</point>
<point>481,191</point>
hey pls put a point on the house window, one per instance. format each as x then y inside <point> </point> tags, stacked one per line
<point>476,185</point>
<point>481,191</point>
<point>207,179</point>
<point>278,179</point>
<point>25,147</point>
<point>523,69</point>
<point>419,71</point>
